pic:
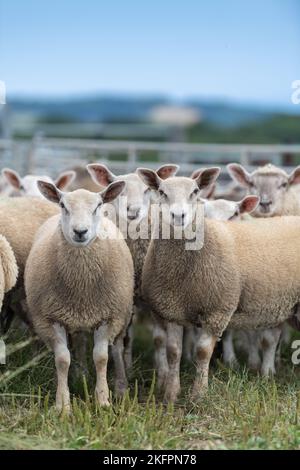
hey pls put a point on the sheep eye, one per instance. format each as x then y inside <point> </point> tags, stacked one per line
<point>236,214</point>
<point>196,191</point>
<point>61,204</point>
<point>252,185</point>
<point>283,185</point>
<point>161,193</point>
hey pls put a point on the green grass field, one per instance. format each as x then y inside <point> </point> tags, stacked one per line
<point>240,411</point>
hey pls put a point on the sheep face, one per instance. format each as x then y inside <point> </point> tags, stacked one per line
<point>136,197</point>
<point>27,186</point>
<point>80,210</point>
<point>221,209</point>
<point>178,196</point>
<point>270,183</point>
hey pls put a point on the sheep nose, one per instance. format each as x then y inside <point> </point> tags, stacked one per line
<point>265,204</point>
<point>132,213</point>
<point>80,233</point>
<point>178,217</point>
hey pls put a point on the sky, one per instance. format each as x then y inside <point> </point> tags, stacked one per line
<point>245,51</point>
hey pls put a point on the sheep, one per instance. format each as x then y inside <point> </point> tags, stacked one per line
<point>221,209</point>
<point>20,219</point>
<point>80,260</point>
<point>135,213</point>
<point>251,341</point>
<point>217,286</point>
<point>276,189</point>
<point>279,195</point>
<point>27,186</point>
<point>8,268</point>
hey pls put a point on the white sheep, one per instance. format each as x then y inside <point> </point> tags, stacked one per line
<point>245,276</point>
<point>220,209</point>
<point>8,268</point>
<point>79,276</point>
<point>279,195</point>
<point>20,218</point>
<point>27,185</point>
<point>134,211</point>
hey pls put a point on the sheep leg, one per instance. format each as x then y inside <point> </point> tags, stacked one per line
<point>128,343</point>
<point>189,343</point>
<point>79,342</point>
<point>174,351</point>
<point>254,361</point>
<point>117,350</point>
<point>229,357</point>
<point>160,353</point>
<point>204,350</point>
<point>270,339</point>
<point>62,363</point>
<point>100,356</point>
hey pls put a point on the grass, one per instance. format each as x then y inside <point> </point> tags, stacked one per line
<point>240,411</point>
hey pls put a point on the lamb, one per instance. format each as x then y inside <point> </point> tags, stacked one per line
<point>217,286</point>
<point>20,218</point>
<point>81,261</point>
<point>279,195</point>
<point>134,212</point>
<point>27,186</point>
<point>8,268</point>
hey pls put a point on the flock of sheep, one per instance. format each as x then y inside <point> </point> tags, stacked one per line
<point>68,267</point>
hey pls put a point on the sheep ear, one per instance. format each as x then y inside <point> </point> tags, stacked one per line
<point>12,177</point>
<point>49,191</point>
<point>209,192</point>
<point>100,174</point>
<point>294,177</point>
<point>149,177</point>
<point>197,173</point>
<point>207,177</point>
<point>248,204</point>
<point>112,191</point>
<point>64,179</point>
<point>239,174</point>
<point>166,171</point>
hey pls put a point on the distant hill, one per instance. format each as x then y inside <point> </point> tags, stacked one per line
<point>132,109</point>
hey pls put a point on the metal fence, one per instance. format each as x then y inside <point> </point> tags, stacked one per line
<point>49,155</point>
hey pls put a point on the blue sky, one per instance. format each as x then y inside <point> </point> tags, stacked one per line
<point>246,51</point>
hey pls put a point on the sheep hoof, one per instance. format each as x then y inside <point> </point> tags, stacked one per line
<point>102,398</point>
<point>171,394</point>
<point>64,409</point>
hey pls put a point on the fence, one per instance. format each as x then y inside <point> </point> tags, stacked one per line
<point>50,155</point>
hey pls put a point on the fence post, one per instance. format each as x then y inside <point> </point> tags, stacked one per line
<point>132,157</point>
<point>245,158</point>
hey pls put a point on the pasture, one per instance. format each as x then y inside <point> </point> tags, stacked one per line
<point>240,411</point>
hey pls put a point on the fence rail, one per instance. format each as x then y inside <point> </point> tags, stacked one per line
<point>51,155</point>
